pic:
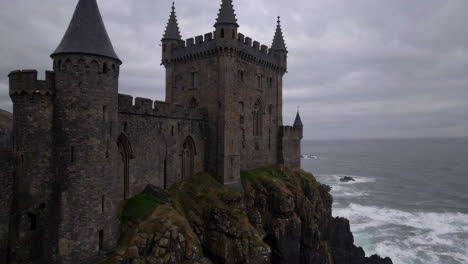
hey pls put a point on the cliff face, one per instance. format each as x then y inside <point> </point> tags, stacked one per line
<point>284,216</point>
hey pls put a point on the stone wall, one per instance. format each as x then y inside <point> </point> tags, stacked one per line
<point>6,195</point>
<point>156,133</point>
<point>230,77</point>
<point>290,146</point>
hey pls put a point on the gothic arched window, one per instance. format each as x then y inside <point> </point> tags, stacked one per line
<point>258,118</point>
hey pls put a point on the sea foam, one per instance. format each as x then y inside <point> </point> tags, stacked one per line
<point>409,237</point>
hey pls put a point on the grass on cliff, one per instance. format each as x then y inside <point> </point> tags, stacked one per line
<point>138,208</point>
<point>202,192</point>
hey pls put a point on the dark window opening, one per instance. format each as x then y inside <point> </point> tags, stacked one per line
<point>103,203</point>
<point>101,240</point>
<point>172,131</point>
<point>32,222</point>
<point>164,47</point>
<point>42,206</point>
<point>241,121</point>
<point>222,33</point>
<point>125,127</point>
<point>107,149</point>
<point>104,113</point>
<point>194,79</point>
<point>104,68</point>
<point>259,81</point>
<point>233,34</point>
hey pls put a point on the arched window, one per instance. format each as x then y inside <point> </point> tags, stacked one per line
<point>222,33</point>
<point>188,156</point>
<point>258,111</point>
<point>104,68</point>
<point>126,153</point>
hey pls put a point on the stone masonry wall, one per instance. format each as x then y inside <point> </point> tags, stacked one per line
<point>6,196</point>
<point>156,132</point>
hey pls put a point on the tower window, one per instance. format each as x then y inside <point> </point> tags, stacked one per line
<point>32,222</point>
<point>270,82</point>
<point>194,79</point>
<point>104,68</point>
<point>101,240</point>
<point>104,113</point>
<point>107,149</point>
<point>259,82</point>
<point>241,76</point>
<point>222,33</point>
<point>103,203</point>
<point>164,47</point>
<point>233,34</point>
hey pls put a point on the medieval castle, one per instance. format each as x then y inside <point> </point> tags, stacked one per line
<point>78,149</point>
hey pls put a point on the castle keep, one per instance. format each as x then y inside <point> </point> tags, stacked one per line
<point>79,149</point>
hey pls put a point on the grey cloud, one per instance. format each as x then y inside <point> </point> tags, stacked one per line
<point>360,68</point>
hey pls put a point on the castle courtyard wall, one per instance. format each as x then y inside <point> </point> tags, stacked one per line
<point>156,132</point>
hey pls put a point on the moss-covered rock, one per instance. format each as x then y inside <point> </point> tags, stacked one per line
<point>284,216</point>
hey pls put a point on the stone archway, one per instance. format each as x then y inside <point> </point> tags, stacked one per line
<point>188,158</point>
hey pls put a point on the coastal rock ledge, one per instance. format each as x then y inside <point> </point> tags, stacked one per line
<point>284,216</point>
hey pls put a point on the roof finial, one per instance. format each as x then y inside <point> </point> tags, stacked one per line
<point>172,28</point>
<point>298,121</point>
<point>278,40</point>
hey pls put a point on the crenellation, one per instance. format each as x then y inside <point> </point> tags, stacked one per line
<point>190,42</point>
<point>256,45</point>
<point>26,82</point>
<point>144,106</point>
<point>199,40</point>
<point>208,36</point>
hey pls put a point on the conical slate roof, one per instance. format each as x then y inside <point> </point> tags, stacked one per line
<point>87,33</point>
<point>226,14</point>
<point>278,40</point>
<point>298,121</point>
<point>172,28</point>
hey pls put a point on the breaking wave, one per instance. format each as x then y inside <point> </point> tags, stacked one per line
<point>409,237</point>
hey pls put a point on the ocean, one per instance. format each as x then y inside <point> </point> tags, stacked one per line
<point>409,200</point>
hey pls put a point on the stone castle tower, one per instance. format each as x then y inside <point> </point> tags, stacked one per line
<point>240,84</point>
<point>79,149</point>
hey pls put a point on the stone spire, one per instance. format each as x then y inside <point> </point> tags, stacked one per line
<point>86,33</point>
<point>172,28</point>
<point>226,14</point>
<point>278,40</point>
<point>298,121</point>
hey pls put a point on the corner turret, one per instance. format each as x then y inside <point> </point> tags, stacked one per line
<point>298,121</point>
<point>171,38</point>
<point>226,23</point>
<point>85,124</point>
<point>278,47</point>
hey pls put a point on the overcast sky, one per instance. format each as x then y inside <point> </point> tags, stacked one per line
<point>357,68</point>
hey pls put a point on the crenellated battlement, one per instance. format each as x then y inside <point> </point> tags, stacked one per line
<point>144,106</point>
<point>26,82</point>
<point>291,132</point>
<point>208,45</point>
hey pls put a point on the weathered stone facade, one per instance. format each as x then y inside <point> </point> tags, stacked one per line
<point>79,149</point>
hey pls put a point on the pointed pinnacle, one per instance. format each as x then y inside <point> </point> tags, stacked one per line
<point>172,28</point>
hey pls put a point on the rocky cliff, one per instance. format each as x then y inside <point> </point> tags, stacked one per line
<point>284,216</point>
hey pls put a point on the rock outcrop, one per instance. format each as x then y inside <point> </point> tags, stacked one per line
<point>283,217</point>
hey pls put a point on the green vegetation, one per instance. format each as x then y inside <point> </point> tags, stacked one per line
<point>198,193</point>
<point>139,208</point>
